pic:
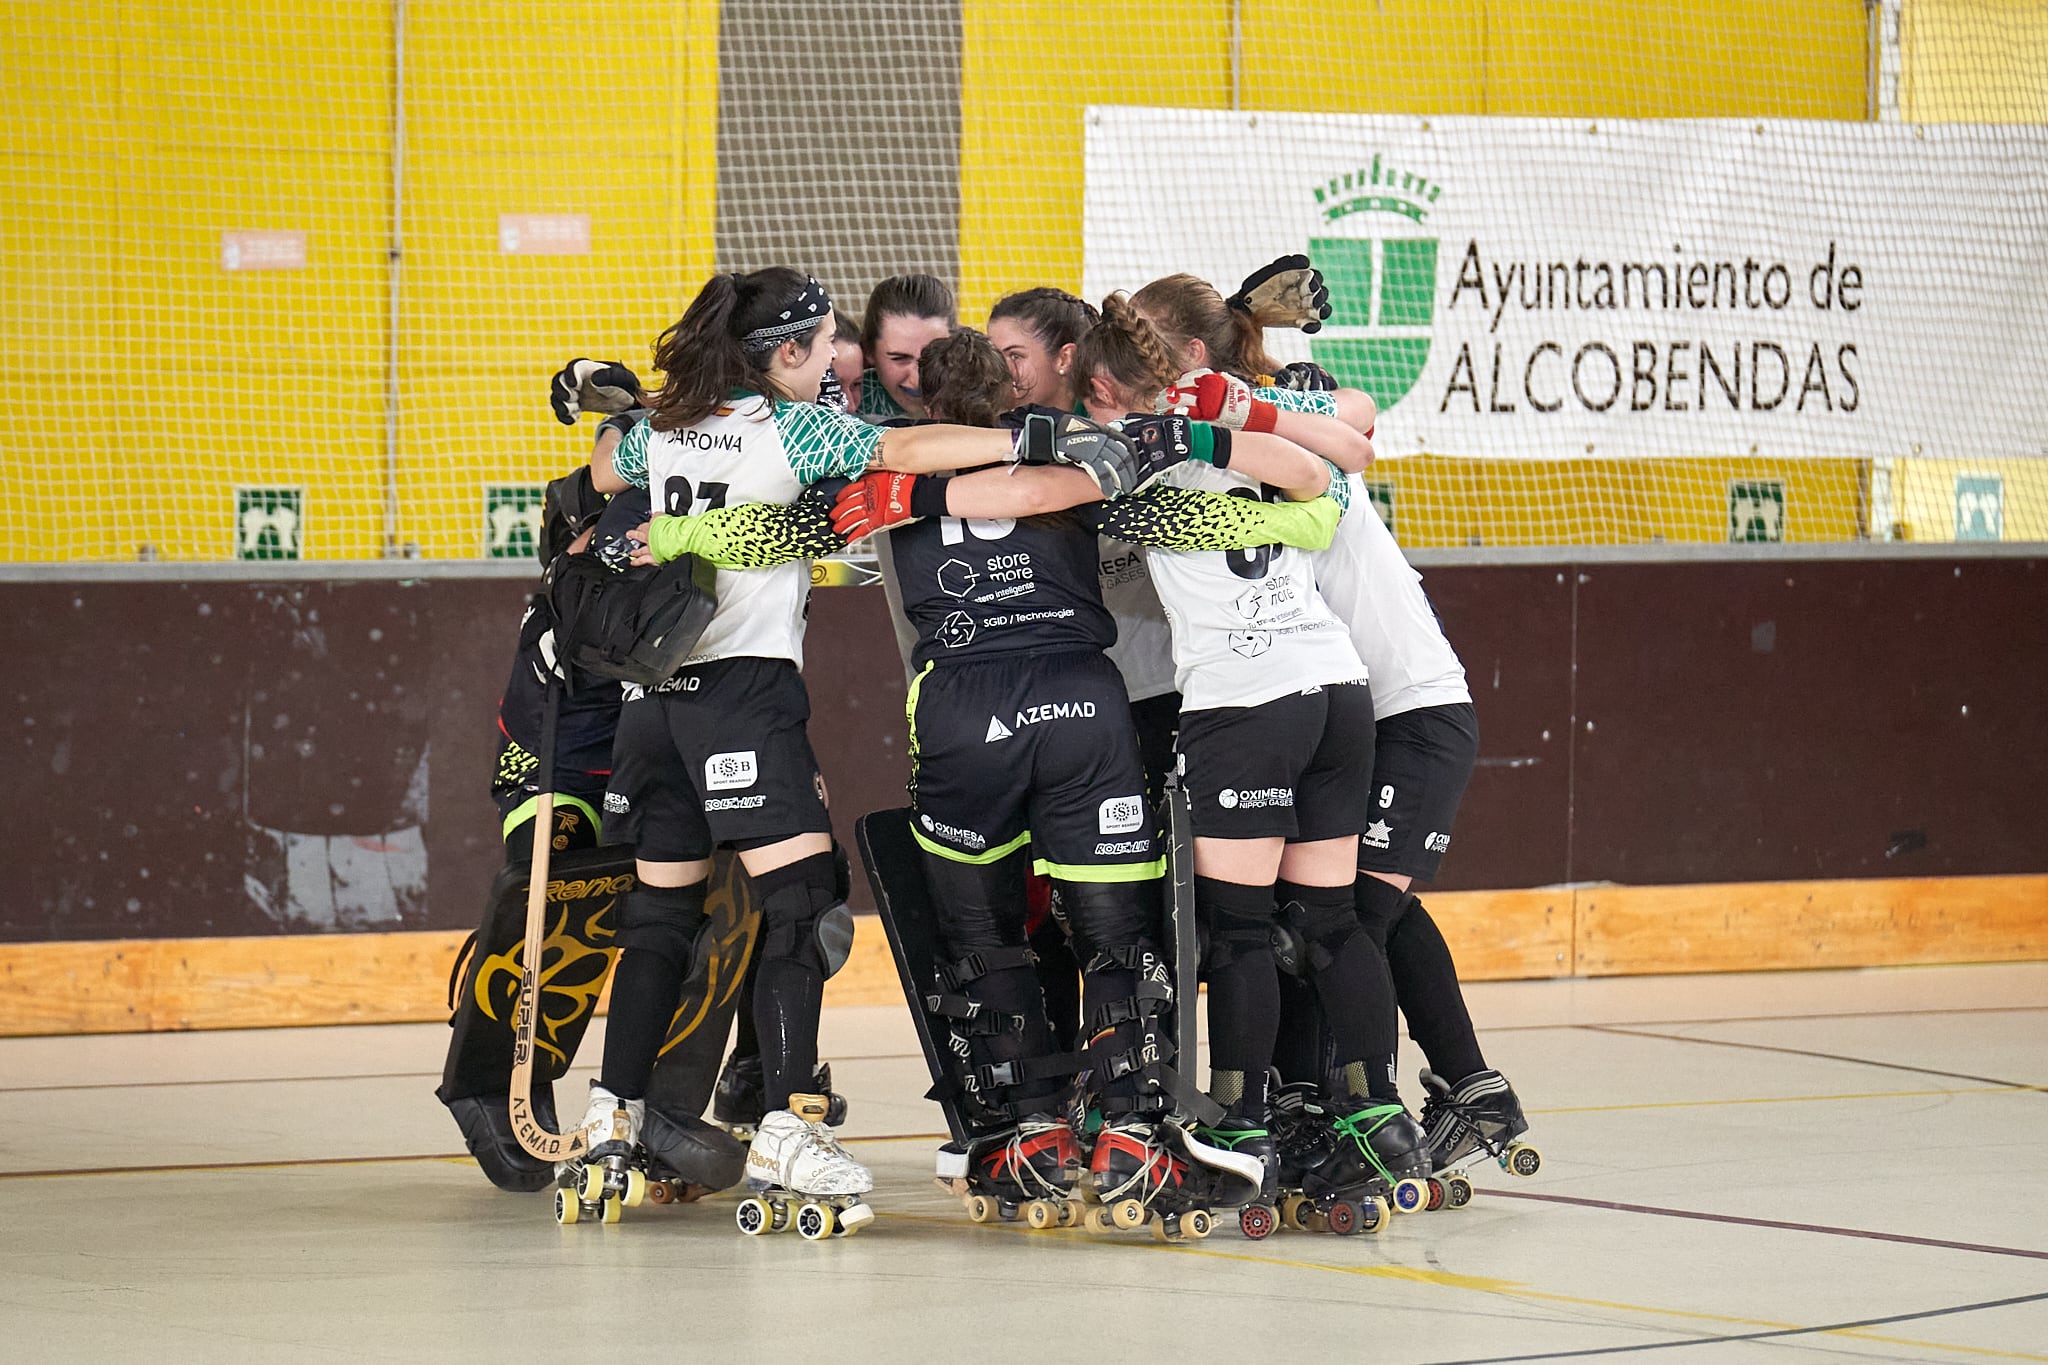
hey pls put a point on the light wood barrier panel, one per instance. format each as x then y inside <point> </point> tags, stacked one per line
<point>144,985</point>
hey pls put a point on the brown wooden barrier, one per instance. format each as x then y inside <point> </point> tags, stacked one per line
<point>1776,762</point>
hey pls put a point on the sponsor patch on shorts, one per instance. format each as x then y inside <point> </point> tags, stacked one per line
<point>1437,842</point>
<point>1127,846</point>
<point>966,838</point>
<point>1120,815</point>
<point>735,803</point>
<point>723,772</point>
<point>1254,798</point>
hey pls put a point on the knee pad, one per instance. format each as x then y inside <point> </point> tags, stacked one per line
<point>803,918</point>
<point>1378,905</point>
<point>1107,915</point>
<point>1238,921</point>
<point>1315,922</point>
<point>666,921</point>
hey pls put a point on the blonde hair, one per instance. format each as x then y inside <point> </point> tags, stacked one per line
<point>1184,308</point>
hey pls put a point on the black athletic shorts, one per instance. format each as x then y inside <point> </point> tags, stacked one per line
<point>1421,763</point>
<point>720,756</point>
<point>1294,767</point>
<point>1031,749</point>
<point>579,796</point>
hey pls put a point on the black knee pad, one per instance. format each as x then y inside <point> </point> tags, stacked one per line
<point>1316,922</point>
<point>1108,915</point>
<point>666,921</point>
<point>803,917</point>
<point>1238,920</point>
<point>1378,905</point>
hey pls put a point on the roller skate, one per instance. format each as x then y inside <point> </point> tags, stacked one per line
<point>1157,1172</point>
<point>1378,1165</point>
<point>1302,1142</point>
<point>801,1177</point>
<point>742,1096</point>
<point>1248,1138</point>
<point>607,1179</point>
<point>1479,1115</point>
<point>1026,1172</point>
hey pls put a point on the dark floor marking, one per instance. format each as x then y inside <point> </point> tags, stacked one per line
<point>1821,1228</point>
<point>1773,1335</point>
<point>1627,1032</point>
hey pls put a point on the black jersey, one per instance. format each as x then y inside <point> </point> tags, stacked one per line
<point>976,588</point>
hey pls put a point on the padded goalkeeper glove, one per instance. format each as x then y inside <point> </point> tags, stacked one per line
<point>1223,399</point>
<point>1288,292</point>
<point>874,502</point>
<point>585,385</point>
<point>1111,459</point>
<point>1305,376</point>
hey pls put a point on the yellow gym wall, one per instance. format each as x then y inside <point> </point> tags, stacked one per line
<point>136,134</point>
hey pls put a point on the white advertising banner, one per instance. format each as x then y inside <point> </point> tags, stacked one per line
<point>1547,288</point>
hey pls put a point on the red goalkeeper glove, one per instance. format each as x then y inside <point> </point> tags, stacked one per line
<point>873,502</point>
<point>1223,399</point>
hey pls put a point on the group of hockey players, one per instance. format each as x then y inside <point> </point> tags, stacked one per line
<point>1133,571</point>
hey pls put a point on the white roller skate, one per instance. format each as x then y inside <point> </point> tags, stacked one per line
<point>606,1179</point>
<point>801,1177</point>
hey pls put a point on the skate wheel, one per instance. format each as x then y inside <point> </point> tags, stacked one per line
<point>980,1209</point>
<point>1197,1224</point>
<point>814,1222</point>
<point>636,1189</point>
<point>590,1184</point>
<point>1070,1213</point>
<point>781,1217</point>
<point>1523,1159</point>
<point>1040,1215</point>
<point>1096,1219</point>
<point>660,1192</point>
<point>1257,1221</point>
<point>1458,1192</point>
<point>1410,1196</point>
<point>1437,1194</point>
<point>1162,1231</point>
<point>1294,1211</point>
<point>1343,1218</point>
<point>610,1211</point>
<point>1127,1214</point>
<point>753,1217</point>
<point>1373,1215</point>
<point>568,1209</point>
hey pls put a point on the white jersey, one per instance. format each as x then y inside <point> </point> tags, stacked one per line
<point>749,452</point>
<point>1373,589</point>
<point>1248,625</point>
<point>1143,651</point>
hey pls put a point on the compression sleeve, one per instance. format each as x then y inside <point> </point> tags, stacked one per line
<point>1186,519</point>
<point>1320,402</point>
<point>629,458</point>
<point>822,443</point>
<point>757,535</point>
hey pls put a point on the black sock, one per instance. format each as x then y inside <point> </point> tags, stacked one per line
<point>1302,1050</point>
<point>1351,980</point>
<point>1426,980</point>
<point>645,989</point>
<point>1244,990</point>
<point>746,1039</point>
<point>791,986</point>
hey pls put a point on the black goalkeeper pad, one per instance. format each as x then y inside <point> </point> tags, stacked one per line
<point>896,875</point>
<point>585,887</point>
<point>635,625</point>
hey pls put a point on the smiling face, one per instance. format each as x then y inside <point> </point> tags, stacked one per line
<point>800,365</point>
<point>899,341</point>
<point>1038,375</point>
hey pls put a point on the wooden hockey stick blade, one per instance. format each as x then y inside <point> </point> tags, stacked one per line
<point>536,1137</point>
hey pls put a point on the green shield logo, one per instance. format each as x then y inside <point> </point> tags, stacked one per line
<point>1382,277</point>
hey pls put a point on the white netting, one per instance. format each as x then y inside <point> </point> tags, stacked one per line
<point>290,277</point>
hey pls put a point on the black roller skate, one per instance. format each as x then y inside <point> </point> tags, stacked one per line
<point>1148,1170</point>
<point>1380,1164</point>
<point>741,1097</point>
<point>1248,1138</point>
<point>1302,1142</point>
<point>610,1176</point>
<point>1027,1172</point>
<point>1479,1115</point>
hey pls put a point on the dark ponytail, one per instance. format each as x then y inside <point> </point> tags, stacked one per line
<point>702,358</point>
<point>963,380</point>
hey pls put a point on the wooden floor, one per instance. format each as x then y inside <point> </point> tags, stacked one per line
<point>1749,1167</point>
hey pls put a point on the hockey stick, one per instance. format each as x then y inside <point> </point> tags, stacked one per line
<point>536,1137</point>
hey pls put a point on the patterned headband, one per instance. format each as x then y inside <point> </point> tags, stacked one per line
<point>811,307</point>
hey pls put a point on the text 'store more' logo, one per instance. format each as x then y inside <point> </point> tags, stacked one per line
<point>1382,276</point>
